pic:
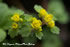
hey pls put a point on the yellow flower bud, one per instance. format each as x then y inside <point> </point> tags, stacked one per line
<point>14,25</point>
<point>51,24</point>
<point>48,18</point>
<point>15,17</point>
<point>42,13</point>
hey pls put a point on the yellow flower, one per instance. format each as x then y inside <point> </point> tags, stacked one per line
<point>14,25</point>
<point>36,23</point>
<point>21,19</point>
<point>51,24</point>
<point>42,13</point>
<point>15,17</point>
<point>48,18</point>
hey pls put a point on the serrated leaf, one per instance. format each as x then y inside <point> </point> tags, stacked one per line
<point>2,35</point>
<point>20,12</point>
<point>25,31</point>
<point>13,33</point>
<point>37,8</point>
<point>30,39</point>
<point>28,24</point>
<point>55,30</point>
<point>27,17</point>
<point>39,35</point>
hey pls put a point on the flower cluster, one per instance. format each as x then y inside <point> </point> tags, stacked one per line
<point>16,18</point>
<point>36,24</point>
<point>48,18</point>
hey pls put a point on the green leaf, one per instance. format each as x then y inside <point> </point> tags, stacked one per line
<point>20,12</point>
<point>55,30</point>
<point>39,35</point>
<point>3,12</point>
<point>27,17</point>
<point>37,8</point>
<point>6,23</point>
<point>13,33</point>
<point>30,39</point>
<point>25,31</point>
<point>46,32</point>
<point>2,35</point>
<point>4,16</point>
<point>27,24</point>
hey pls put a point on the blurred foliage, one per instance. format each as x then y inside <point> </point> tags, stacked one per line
<point>57,9</point>
<point>2,35</point>
<point>50,39</point>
